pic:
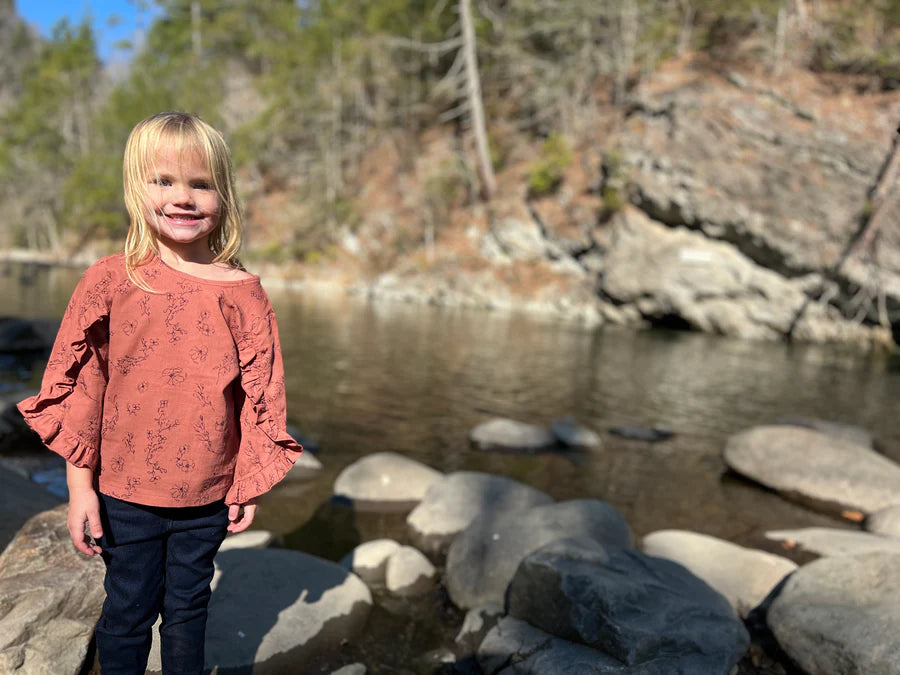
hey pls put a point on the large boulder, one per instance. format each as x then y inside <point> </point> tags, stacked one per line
<point>820,469</point>
<point>829,541</point>
<point>635,608</point>
<point>743,576</point>
<point>780,173</point>
<point>483,558</point>
<point>515,647</point>
<point>710,285</point>
<point>509,435</point>
<point>50,599</point>
<point>385,480</point>
<point>841,615</point>
<point>279,611</point>
<point>453,501</point>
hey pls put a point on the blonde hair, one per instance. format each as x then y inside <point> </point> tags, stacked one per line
<point>184,133</point>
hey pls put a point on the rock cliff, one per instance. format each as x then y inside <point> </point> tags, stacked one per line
<point>717,201</point>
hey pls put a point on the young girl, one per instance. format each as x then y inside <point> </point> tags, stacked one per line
<point>165,394</point>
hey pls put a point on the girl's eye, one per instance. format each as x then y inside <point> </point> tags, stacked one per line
<point>203,186</point>
<point>161,181</point>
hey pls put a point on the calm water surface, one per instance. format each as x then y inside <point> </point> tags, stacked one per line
<point>365,377</point>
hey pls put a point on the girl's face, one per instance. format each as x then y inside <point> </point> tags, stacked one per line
<point>182,204</point>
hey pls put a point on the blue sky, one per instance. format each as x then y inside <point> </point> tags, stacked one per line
<point>43,15</point>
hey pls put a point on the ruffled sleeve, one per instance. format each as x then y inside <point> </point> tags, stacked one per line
<point>68,410</point>
<point>267,452</point>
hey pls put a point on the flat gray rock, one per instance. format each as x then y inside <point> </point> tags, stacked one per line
<point>885,522</point>
<point>633,607</point>
<point>511,436</point>
<point>573,435</point>
<point>831,541</point>
<point>279,611</point>
<point>841,615</point>
<point>50,599</point>
<point>385,480</point>
<point>369,560</point>
<point>821,469</point>
<point>483,558</point>
<point>847,432</point>
<point>453,501</point>
<point>247,539</point>
<point>742,575</point>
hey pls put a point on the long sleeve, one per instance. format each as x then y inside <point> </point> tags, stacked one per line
<point>266,451</point>
<point>67,413</point>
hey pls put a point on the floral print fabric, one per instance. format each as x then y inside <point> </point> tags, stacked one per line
<point>173,398</point>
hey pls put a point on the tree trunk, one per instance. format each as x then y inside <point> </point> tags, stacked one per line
<point>473,91</point>
<point>871,220</point>
<point>628,31</point>
<point>688,12</point>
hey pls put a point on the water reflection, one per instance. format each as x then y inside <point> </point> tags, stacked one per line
<point>365,377</point>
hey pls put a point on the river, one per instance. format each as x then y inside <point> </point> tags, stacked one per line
<point>365,377</point>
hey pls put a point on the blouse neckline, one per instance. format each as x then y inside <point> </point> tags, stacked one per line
<point>253,279</point>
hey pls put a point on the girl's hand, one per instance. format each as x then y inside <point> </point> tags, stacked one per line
<point>241,516</point>
<point>84,507</point>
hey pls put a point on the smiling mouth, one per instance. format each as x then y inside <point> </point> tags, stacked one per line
<point>182,218</point>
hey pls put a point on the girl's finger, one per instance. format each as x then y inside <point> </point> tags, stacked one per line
<point>94,525</point>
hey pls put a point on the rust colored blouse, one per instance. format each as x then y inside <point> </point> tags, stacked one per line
<point>173,398</point>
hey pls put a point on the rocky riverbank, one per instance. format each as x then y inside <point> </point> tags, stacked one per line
<point>719,202</point>
<point>526,584</point>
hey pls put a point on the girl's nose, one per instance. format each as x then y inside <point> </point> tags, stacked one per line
<point>182,195</point>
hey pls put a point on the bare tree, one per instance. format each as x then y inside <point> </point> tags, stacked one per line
<point>462,80</point>
<point>688,14</point>
<point>476,105</point>
<point>625,46</point>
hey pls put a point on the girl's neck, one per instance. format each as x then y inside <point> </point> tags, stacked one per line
<point>184,257</point>
<point>200,262</point>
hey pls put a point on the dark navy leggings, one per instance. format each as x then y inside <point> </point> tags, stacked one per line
<point>159,561</point>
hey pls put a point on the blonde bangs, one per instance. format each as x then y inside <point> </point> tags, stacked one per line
<point>185,134</point>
